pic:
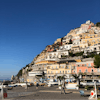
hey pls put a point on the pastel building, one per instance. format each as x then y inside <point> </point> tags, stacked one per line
<point>88,70</point>
<point>57,69</point>
<point>91,41</point>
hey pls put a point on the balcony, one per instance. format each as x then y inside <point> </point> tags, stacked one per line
<point>54,68</point>
<point>61,67</point>
<point>34,73</point>
<point>50,74</point>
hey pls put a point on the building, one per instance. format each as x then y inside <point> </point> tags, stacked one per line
<point>58,69</point>
<point>58,40</point>
<point>87,70</point>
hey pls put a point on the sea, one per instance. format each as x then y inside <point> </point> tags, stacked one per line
<point>4,79</point>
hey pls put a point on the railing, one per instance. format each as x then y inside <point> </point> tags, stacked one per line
<point>54,68</point>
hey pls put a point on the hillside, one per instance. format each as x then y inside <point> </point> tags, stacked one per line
<point>77,42</point>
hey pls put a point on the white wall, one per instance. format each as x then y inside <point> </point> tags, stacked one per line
<point>71,86</point>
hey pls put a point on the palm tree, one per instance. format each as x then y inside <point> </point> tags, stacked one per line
<point>77,77</point>
<point>92,76</point>
<point>61,78</point>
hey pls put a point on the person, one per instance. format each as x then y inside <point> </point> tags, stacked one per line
<point>37,85</point>
<point>99,89</point>
<point>63,88</point>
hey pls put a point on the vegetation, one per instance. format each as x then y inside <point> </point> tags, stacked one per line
<point>91,54</point>
<point>97,61</point>
<point>64,56</point>
<point>60,77</point>
<point>19,73</point>
<point>28,70</point>
<point>87,87</point>
<point>70,41</point>
<point>76,54</point>
<point>61,39</point>
<point>77,77</point>
<point>98,24</point>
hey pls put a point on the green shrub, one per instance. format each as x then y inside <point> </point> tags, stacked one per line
<point>98,24</point>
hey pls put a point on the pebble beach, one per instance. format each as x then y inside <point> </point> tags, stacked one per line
<point>20,93</point>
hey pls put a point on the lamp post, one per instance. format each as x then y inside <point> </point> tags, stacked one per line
<point>26,85</point>
<point>95,90</point>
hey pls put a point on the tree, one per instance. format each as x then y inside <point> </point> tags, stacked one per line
<point>70,41</point>
<point>71,54</point>
<point>19,73</point>
<point>98,24</point>
<point>61,78</point>
<point>77,77</point>
<point>97,61</point>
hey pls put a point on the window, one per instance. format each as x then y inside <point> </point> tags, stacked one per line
<point>84,64</point>
<point>98,69</point>
<point>66,72</point>
<point>67,67</point>
<point>63,72</point>
<point>79,70</point>
<point>78,65</point>
<point>92,70</point>
<point>48,71</point>
<point>59,66</point>
<point>52,67</point>
<point>63,66</point>
<point>56,67</point>
<point>86,70</point>
<point>89,65</point>
<point>94,48</point>
<point>51,71</point>
<point>60,71</point>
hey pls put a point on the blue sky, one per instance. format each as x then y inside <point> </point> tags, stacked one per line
<point>28,26</point>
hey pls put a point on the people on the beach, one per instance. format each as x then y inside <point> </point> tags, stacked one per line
<point>63,88</point>
<point>37,85</point>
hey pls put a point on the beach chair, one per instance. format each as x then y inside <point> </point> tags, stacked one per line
<point>81,92</point>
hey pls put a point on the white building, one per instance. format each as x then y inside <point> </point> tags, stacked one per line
<point>56,55</point>
<point>76,42</point>
<point>34,73</point>
<point>92,48</point>
<point>66,47</point>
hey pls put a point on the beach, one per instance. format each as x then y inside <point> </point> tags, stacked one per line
<point>19,93</point>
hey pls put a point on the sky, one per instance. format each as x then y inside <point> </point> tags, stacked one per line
<point>28,26</point>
